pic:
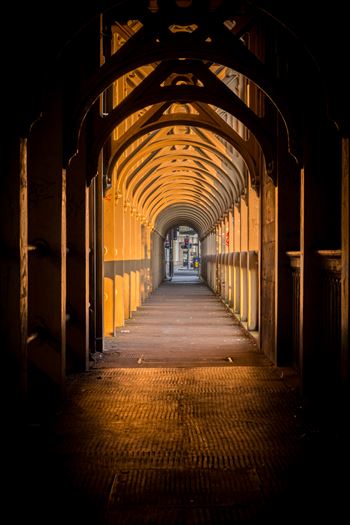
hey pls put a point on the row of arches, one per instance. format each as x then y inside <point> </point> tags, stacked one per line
<point>179,159</point>
<point>156,114</point>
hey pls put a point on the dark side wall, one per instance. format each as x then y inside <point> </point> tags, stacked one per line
<point>268,272</point>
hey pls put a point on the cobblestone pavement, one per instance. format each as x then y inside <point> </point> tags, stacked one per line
<point>196,439</point>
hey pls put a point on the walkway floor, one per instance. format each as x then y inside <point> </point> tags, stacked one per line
<point>182,421</point>
<point>181,324</point>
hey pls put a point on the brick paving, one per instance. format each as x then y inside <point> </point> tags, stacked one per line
<point>163,431</point>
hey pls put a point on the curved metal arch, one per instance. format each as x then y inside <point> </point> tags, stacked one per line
<point>223,176</point>
<point>208,178</point>
<point>180,212</point>
<point>157,207</point>
<point>205,114</point>
<point>216,197</point>
<point>151,92</point>
<point>185,213</point>
<point>174,119</point>
<point>254,11</point>
<point>158,160</point>
<point>185,221</point>
<point>171,221</point>
<point>176,224</point>
<point>182,178</point>
<point>207,224</point>
<point>231,137</point>
<point>227,50</point>
<point>183,183</point>
<point>135,156</point>
<point>171,196</point>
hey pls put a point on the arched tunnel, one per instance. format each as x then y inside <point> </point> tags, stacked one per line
<point>175,270</point>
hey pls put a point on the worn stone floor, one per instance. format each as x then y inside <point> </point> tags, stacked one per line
<point>181,421</point>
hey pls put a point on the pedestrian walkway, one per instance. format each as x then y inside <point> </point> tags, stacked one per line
<point>181,422</point>
<point>181,324</point>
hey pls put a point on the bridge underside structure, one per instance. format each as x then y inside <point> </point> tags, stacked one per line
<point>137,117</point>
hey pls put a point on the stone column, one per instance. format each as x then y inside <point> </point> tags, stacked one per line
<point>127,257</point>
<point>149,283</point>
<point>109,262</point>
<point>243,286</point>
<point>230,250</point>
<point>244,261</point>
<point>138,257</point>
<point>99,254</point>
<point>319,231</point>
<point>133,262</point>
<point>119,318</point>
<point>253,257</point>
<point>47,266</point>
<point>143,263</point>
<point>157,254</point>
<point>268,264</point>
<point>253,287</point>
<point>237,229</point>
<point>345,327</point>
<point>227,268</point>
<point>78,263</point>
<point>216,260</point>
<point>14,273</point>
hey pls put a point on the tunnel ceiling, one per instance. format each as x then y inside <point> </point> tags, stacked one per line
<point>180,130</point>
<point>176,160</point>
